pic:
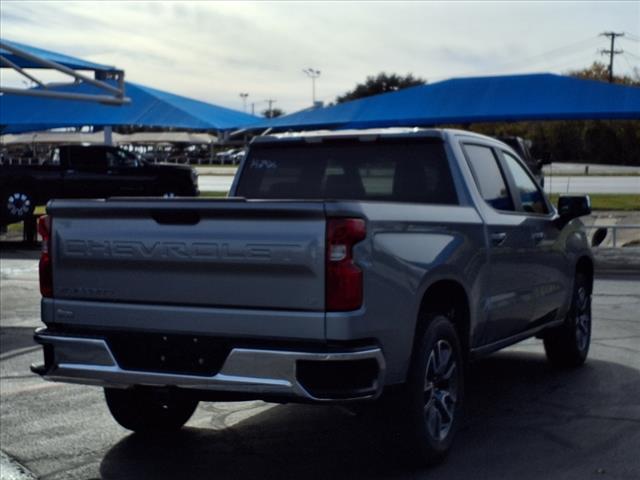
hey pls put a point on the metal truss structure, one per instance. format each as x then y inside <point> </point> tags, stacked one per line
<point>108,81</point>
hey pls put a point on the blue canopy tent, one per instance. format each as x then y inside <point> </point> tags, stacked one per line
<point>66,60</point>
<point>148,108</point>
<point>474,100</point>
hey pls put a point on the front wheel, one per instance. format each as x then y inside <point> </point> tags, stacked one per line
<point>148,410</point>
<point>434,394</point>
<point>568,345</point>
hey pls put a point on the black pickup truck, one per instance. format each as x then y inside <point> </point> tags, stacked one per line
<point>98,171</point>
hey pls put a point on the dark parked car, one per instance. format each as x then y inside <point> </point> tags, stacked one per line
<point>75,171</point>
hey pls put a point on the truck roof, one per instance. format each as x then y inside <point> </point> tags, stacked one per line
<point>312,136</point>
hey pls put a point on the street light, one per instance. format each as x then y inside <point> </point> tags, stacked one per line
<point>312,74</point>
<point>244,101</point>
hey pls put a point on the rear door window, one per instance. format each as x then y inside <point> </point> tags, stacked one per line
<point>402,171</point>
<point>489,177</point>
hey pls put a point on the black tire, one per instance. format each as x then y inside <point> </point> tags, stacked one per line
<point>567,346</point>
<point>17,204</point>
<point>149,410</point>
<point>433,397</point>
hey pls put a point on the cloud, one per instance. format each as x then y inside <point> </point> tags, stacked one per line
<point>214,50</point>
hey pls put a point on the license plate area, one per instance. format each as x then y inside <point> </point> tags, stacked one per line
<point>168,353</point>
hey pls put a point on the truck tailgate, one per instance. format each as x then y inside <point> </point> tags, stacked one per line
<point>227,253</point>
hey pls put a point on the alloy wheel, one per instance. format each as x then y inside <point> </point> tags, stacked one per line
<point>18,204</point>
<point>440,390</point>
<point>583,318</point>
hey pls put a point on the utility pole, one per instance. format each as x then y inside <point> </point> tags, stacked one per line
<point>270,101</point>
<point>244,96</point>
<point>612,51</point>
<point>312,74</point>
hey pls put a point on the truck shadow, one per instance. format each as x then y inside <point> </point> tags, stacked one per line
<point>523,419</point>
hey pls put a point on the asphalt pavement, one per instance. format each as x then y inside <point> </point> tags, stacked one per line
<point>525,420</point>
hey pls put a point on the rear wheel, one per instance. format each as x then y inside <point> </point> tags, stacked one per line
<point>432,402</point>
<point>568,345</point>
<point>148,409</point>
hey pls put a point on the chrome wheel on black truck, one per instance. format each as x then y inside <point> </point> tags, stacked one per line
<point>568,345</point>
<point>17,205</point>
<point>148,409</point>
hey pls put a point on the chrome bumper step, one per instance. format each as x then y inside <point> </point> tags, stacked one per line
<point>246,370</point>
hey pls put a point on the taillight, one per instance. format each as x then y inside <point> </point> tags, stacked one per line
<point>343,277</point>
<point>46,276</point>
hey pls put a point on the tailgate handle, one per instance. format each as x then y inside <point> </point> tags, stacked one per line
<point>176,217</point>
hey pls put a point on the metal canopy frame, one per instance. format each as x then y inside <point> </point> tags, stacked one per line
<point>114,94</point>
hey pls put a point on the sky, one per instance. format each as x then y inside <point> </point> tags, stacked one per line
<point>213,51</point>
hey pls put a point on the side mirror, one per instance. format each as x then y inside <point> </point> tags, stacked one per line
<point>574,206</point>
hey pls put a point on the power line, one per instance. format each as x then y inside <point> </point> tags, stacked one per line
<point>571,47</point>
<point>632,37</point>
<point>566,65</point>
<point>564,51</point>
<point>612,51</point>
<point>631,67</point>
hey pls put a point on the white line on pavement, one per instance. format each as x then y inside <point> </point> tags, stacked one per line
<point>10,469</point>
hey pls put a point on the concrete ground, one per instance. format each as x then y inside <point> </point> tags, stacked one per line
<point>524,420</point>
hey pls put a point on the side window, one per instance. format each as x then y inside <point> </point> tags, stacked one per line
<point>489,177</point>
<point>120,158</point>
<point>530,196</point>
<point>87,159</point>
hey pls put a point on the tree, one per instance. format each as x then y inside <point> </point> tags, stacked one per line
<point>583,141</point>
<point>273,113</point>
<point>599,71</point>
<point>381,83</point>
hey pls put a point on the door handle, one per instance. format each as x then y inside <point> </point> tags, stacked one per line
<point>498,238</point>
<point>537,236</point>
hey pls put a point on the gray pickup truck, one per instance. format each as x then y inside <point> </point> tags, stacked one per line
<point>344,267</point>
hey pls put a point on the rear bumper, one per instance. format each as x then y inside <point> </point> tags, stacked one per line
<point>253,371</point>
